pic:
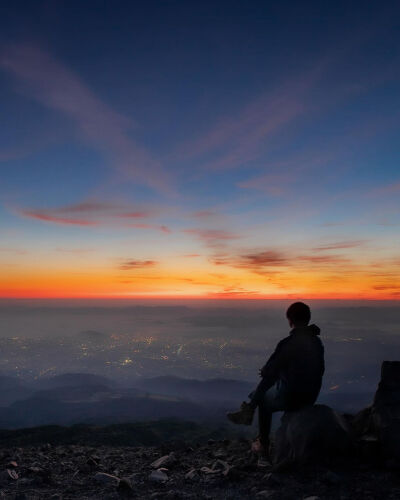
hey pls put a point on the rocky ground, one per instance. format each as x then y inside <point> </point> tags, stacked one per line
<point>216,470</point>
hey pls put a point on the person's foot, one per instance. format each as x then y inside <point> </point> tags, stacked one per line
<point>242,417</point>
<point>264,459</point>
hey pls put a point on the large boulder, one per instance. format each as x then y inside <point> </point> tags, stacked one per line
<point>311,433</point>
<point>385,411</point>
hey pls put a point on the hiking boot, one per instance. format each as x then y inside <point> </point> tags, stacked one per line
<point>242,417</point>
<point>264,459</point>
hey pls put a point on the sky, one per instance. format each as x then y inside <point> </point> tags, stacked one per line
<point>193,149</point>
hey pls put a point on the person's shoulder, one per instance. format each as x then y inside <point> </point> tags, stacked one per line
<point>284,342</point>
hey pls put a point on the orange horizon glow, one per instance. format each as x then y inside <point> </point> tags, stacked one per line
<point>198,284</point>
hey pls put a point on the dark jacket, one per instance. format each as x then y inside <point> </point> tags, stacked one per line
<point>298,362</point>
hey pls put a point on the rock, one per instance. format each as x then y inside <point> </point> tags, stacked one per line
<point>163,461</point>
<point>192,474</point>
<point>220,454</point>
<point>311,433</point>
<point>218,467</point>
<point>265,494</point>
<point>91,462</point>
<point>208,470</point>
<point>124,487</point>
<point>273,480</point>
<point>385,411</point>
<point>102,477</point>
<point>158,476</point>
<point>173,495</point>
<point>221,466</point>
<point>8,475</point>
<point>332,478</point>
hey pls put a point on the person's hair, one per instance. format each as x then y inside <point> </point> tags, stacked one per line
<point>298,312</point>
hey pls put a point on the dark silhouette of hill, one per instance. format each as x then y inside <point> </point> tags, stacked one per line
<point>212,389</point>
<point>45,410</point>
<point>148,433</point>
<point>12,389</point>
<point>73,379</point>
<point>74,398</point>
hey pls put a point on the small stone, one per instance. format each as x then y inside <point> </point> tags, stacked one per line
<point>158,476</point>
<point>92,462</point>
<point>8,475</point>
<point>265,494</point>
<point>312,497</point>
<point>192,474</point>
<point>272,479</point>
<point>221,466</point>
<point>207,470</point>
<point>173,495</point>
<point>125,487</point>
<point>105,478</point>
<point>135,477</point>
<point>220,454</point>
<point>165,460</point>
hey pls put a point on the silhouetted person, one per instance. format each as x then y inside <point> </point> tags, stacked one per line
<point>291,378</point>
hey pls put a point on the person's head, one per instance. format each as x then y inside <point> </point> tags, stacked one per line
<point>298,314</point>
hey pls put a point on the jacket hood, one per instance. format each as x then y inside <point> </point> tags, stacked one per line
<point>311,329</point>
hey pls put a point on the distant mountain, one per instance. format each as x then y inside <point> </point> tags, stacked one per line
<point>46,409</point>
<point>346,403</point>
<point>12,389</point>
<point>73,380</point>
<point>148,433</point>
<point>217,390</point>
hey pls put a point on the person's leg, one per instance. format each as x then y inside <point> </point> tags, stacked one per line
<point>265,411</point>
<point>274,400</point>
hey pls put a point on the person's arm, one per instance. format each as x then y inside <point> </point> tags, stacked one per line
<point>269,373</point>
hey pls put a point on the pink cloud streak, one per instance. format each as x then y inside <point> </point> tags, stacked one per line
<point>57,87</point>
<point>94,213</point>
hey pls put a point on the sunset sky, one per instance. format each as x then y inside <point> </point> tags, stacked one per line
<point>200,149</point>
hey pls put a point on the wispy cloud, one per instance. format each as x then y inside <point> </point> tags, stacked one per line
<point>130,265</point>
<point>385,190</point>
<point>57,87</point>
<point>387,286</point>
<point>239,138</point>
<point>272,184</point>
<point>162,228</point>
<point>96,213</point>
<point>214,238</point>
<point>340,245</point>
<point>271,260</point>
<point>204,214</point>
<point>58,219</point>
